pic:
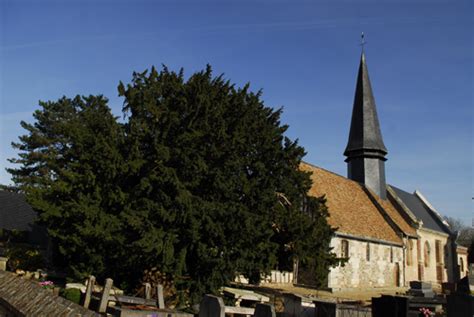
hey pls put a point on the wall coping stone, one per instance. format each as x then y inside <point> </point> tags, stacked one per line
<point>27,298</point>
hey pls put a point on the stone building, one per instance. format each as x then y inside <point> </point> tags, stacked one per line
<point>388,235</point>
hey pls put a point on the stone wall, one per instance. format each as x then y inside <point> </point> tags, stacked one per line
<point>411,267</point>
<point>20,297</point>
<point>377,271</point>
<point>430,271</point>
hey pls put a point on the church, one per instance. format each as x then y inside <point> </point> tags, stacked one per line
<point>389,236</point>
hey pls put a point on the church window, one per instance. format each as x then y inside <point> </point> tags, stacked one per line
<point>427,253</point>
<point>367,255</point>
<point>410,252</point>
<point>391,254</point>
<point>344,249</point>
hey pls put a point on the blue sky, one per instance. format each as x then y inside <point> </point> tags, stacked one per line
<point>303,55</point>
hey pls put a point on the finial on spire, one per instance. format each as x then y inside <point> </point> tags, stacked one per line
<point>362,41</point>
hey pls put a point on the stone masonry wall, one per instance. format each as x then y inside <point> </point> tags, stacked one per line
<point>20,297</point>
<point>429,272</point>
<point>411,269</point>
<point>378,271</point>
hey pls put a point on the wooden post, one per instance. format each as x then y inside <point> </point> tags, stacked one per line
<point>211,306</point>
<point>89,289</point>
<point>105,295</point>
<point>160,297</point>
<point>264,310</point>
<point>147,291</point>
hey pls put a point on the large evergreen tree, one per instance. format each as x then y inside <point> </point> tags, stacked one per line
<point>70,171</point>
<point>199,182</point>
<point>216,183</point>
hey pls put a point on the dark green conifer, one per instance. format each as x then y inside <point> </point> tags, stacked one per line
<point>200,182</point>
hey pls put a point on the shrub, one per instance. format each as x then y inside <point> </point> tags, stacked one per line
<point>72,294</point>
<point>24,257</point>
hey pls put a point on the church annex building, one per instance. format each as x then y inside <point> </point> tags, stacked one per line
<point>389,236</point>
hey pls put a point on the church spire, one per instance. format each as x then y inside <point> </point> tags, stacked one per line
<point>365,149</point>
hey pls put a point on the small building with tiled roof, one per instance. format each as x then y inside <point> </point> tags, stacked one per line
<point>388,236</point>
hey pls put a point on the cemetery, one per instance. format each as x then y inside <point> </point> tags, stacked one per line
<point>23,294</point>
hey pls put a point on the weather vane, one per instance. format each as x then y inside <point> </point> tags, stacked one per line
<point>362,41</point>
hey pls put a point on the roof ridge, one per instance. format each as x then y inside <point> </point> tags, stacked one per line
<point>395,226</point>
<point>402,205</point>
<point>331,172</point>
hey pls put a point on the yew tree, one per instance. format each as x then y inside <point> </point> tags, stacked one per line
<point>198,182</point>
<point>216,184</point>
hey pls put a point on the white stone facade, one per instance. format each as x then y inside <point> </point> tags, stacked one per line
<point>379,264</point>
<point>370,264</point>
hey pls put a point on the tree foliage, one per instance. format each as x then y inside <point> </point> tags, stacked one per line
<point>465,234</point>
<point>200,182</point>
<point>70,170</point>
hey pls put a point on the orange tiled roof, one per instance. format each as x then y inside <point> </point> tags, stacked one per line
<point>350,208</point>
<point>395,215</point>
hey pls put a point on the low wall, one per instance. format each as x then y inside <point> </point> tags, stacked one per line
<point>275,277</point>
<point>20,297</point>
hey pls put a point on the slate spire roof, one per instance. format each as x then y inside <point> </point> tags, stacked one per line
<point>365,136</point>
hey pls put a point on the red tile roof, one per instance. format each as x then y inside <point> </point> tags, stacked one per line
<point>352,211</point>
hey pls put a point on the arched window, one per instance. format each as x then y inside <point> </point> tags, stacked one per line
<point>344,249</point>
<point>427,253</point>
<point>410,252</point>
<point>367,252</point>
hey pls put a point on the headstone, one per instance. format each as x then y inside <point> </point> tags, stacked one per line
<point>421,289</point>
<point>264,310</point>
<point>160,296</point>
<point>292,305</point>
<point>324,308</point>
<point>460,305</point>
<point>420,285</point>
<point>147,291</point>
<point>390,306</point>
<point>3,263</point>
<point>463,285</point>
<point>211,306</point>
<point>89,288</point>
<point>105,295</point>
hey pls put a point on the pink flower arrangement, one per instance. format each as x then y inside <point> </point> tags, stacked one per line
<point>46,284</point>
<point>426,312</point>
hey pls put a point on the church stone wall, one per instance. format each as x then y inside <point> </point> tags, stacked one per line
<point>430,273</point>
<point>411,261</point>
<point>359,272</point>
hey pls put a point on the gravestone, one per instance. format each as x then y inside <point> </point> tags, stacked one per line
<point>105,295</point>
<point>390,306</point>
<point>147,291</point>
<point>211,306</point>
<point>3,263</point>
<point>264,310</point>
<point>89,288</point>
<point>324,308</point>
<point>421,289</point>
<point>292,305</point>
<point>160,297</point>
<point>460,305</point>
